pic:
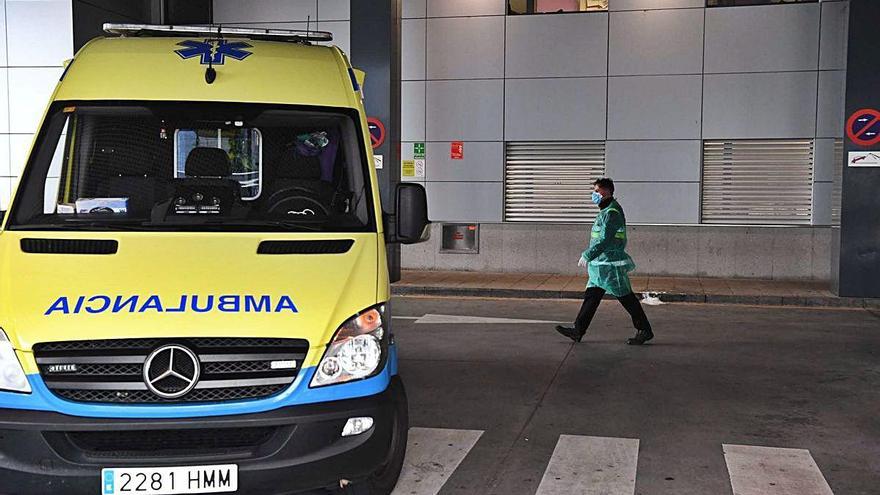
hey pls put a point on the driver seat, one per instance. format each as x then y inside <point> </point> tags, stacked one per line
<point>298,187</point>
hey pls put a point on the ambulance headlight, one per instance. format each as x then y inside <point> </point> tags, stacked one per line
<point>356,351</point>
<point>12,377</point>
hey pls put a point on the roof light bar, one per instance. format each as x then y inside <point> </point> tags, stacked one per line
<point>217,30</point>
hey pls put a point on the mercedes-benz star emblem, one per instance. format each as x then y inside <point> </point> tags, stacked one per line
<point>171,371</point>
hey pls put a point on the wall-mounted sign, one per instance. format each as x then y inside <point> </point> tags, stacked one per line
<point>379,161</point>
<point>419,150</point>
<point>412,168</point>
<point>864,159</point>
<point>456,150</point>
<point>377,132</point>
<point>863,127</point>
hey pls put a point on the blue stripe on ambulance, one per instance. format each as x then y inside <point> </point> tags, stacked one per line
<point>299,393</point>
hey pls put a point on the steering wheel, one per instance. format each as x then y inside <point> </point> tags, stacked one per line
<point>296,204</point>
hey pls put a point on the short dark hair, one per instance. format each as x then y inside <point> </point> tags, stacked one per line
<point>605,183</point>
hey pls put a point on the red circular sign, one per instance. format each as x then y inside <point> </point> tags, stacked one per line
<point>863,127</point>
<point>377,132</point>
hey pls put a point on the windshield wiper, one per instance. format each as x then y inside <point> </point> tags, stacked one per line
<point>228,225</point>
<point>80,225</point>
<point>285,224</point>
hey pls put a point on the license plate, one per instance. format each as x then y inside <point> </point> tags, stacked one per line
<point>169,480</point>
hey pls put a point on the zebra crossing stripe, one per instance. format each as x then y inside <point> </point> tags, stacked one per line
<point>773,471</point>
<point>432,455</point>
<point>591,466</point>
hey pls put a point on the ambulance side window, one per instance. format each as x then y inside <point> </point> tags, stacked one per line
<point>243,145</point>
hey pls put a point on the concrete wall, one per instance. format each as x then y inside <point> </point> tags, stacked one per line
<point>651,78</point>
<point>784,253</point>
<point>36,37</point>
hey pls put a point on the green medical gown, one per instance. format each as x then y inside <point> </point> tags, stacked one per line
<point>608,265</point>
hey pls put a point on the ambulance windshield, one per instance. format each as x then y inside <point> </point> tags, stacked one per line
<point>189,166</point>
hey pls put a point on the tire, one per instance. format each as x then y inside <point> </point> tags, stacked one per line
<point>383,481</point>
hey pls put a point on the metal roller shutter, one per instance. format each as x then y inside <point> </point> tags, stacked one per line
<point>552,181</point>
<point>758,182</point>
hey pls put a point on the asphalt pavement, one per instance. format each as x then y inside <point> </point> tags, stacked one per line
<point>726,399</point>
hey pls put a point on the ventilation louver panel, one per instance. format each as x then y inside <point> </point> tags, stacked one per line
<point>837,186</point>
<point>551,181</point>
<point>758,182</point>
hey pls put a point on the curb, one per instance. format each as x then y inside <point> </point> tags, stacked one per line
<point>748,300</point>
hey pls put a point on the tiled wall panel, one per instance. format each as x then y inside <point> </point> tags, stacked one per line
<point>465,201</point>
<point>772,105</point>
<point>482,162</point>
<point>656,42</point>
<point>465,48</point>
<point>660,203</point>
<point>465,110</point>
<point>654,107</point>
<point>233,11</point>
<point>833,37</point>
<point>556,45</point>
<point>832,100</point>
<point>39,33</point>
<point>37,37</point>
<point>554,109</point>
<point>660,161</point>
<point>460,8</point>
<point>412,110</point>
<point>762,38</point>
<point>412,48</point>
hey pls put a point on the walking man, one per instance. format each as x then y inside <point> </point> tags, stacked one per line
<point>608,266</point>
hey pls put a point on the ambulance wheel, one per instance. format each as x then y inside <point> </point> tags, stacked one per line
<point>383,481</point>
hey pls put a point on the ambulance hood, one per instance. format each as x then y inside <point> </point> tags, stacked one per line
<point>173,284</point>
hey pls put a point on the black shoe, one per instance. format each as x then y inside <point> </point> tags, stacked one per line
<point>640,337</point>
<point>570,333</point>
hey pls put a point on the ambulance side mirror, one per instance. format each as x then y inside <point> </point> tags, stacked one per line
<point>409,224</point>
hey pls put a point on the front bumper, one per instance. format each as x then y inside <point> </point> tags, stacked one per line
<point>40,453</point>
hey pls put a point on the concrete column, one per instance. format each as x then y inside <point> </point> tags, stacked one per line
<point>375,49</point>
<point>856,266</point>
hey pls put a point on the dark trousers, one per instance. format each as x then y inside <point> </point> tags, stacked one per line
<point>592,298</point>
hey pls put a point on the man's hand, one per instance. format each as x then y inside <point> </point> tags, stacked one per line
<point>582,262</point>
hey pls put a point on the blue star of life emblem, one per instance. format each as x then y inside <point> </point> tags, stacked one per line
<point>213,52</point>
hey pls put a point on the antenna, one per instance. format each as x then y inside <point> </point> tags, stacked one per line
<point>210,72</point>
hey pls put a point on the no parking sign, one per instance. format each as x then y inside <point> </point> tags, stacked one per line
<point>863,127</point>
<point>377,132</point>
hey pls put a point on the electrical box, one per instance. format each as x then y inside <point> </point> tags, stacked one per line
<point>463,238</point>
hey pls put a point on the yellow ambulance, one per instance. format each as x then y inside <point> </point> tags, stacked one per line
<point>194,295</point>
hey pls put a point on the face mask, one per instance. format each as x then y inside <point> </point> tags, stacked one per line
<point>597,198</point>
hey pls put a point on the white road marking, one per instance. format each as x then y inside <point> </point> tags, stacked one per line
<point>447,319</point>
<point>591,466</point>
<point>406,317</point>
<point>773,471</point>
<point>432,455</point>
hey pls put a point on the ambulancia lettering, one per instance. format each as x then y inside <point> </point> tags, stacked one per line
<point>186,303</point>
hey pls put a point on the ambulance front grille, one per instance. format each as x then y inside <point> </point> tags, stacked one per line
<point>112,371</point>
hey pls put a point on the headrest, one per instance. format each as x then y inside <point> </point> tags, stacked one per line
<point>208,162</point>
<point>300,167</point>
